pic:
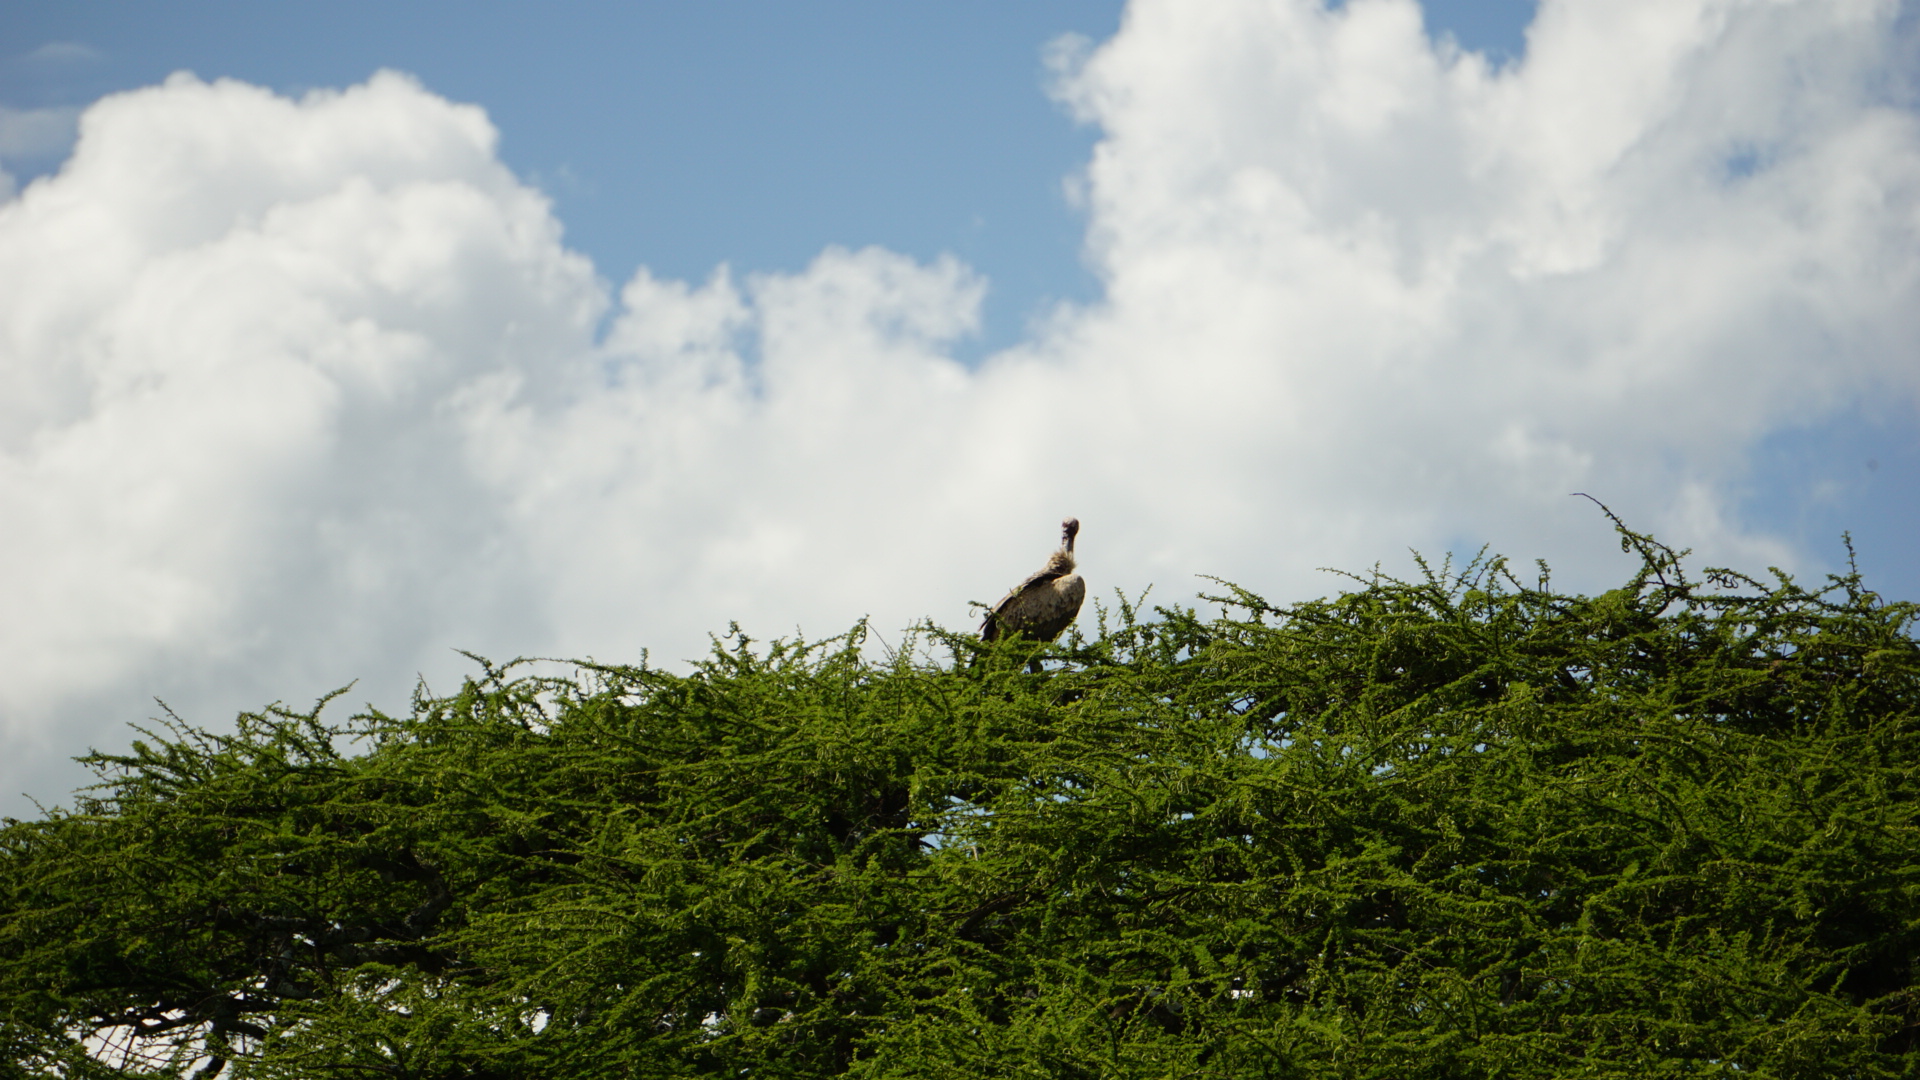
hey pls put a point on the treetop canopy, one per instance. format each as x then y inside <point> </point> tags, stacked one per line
<point>1460,826</point>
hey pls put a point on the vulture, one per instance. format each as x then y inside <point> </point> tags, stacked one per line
<point>1040,607</point>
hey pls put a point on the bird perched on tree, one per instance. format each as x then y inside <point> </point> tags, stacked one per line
<point>1040,607</point>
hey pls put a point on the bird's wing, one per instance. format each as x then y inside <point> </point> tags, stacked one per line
<point>1034,580</point>
<point>989,627</point>
<point>1038,577</point>
<point>1047,612</point>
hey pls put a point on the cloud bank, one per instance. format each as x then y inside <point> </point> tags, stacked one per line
<point>299,391</point>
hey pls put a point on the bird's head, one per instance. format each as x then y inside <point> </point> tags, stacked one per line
<point>1068,530</point>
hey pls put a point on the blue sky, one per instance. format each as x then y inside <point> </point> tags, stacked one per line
<point>680,136</point>
<point>308,375</point>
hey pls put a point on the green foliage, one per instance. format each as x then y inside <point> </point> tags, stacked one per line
<point>1456,827</point>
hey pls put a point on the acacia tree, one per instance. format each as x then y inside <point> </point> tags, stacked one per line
<point>1461,826</point>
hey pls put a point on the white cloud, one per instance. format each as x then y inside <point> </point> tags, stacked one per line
<point>233,333</point>
<point>65,52</point>
<point>298,391</point>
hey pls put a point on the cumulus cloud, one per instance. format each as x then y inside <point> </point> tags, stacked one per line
<point>294,391</point>
<point>234,333</point>
<point>1457,294</point>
